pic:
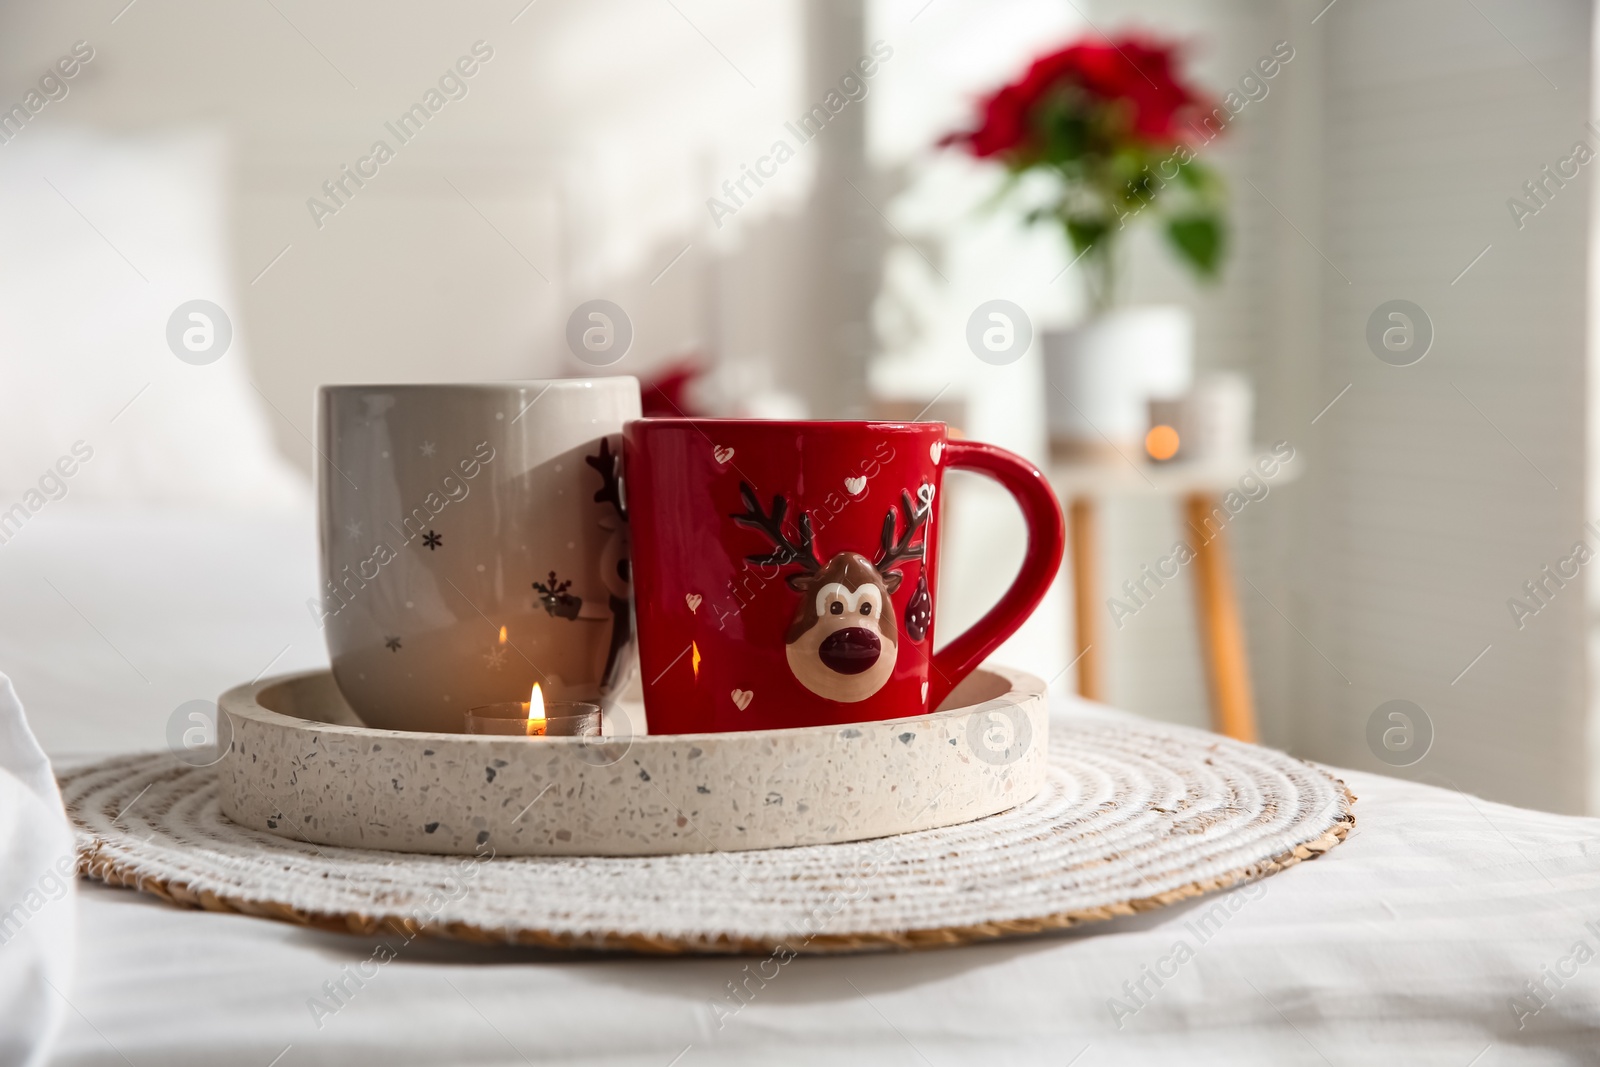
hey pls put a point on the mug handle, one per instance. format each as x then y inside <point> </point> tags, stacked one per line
<point>1047,537</point>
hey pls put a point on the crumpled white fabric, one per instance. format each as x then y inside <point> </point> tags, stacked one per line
<point>38,915</point>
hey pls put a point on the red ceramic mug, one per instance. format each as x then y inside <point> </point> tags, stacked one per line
<point>784,573</point>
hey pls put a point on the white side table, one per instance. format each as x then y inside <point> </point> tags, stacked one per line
<point>1201,485</point>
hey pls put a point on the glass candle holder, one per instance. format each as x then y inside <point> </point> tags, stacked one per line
<point>562,718</point>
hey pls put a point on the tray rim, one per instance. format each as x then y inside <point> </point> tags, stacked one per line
<point>760,764</point>
<point>245,699</point>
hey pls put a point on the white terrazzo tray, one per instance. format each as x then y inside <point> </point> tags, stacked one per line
<point>300,765</point>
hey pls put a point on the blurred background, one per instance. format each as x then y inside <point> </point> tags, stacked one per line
<point>202,151</point>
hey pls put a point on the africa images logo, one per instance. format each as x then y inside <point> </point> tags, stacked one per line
<point>452,86</point>
<point>852,89</point>
<point>52,87</point>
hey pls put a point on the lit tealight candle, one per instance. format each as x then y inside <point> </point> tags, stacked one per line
<point>534,709</point>
<point>534,718</point>
<point>1161,442</point>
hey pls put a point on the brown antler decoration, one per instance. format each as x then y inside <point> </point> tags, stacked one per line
<point>892,553</point>
<point>611,488</point>
<point>784,550</point>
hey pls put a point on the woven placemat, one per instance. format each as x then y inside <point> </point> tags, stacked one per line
<point>1132,817</point>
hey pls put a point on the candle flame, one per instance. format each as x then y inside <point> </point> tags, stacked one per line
<point>502,635</point>
<point>694,658</point>
<point>536,724</point>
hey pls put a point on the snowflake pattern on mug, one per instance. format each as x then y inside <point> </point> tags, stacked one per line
<point>556,601</point>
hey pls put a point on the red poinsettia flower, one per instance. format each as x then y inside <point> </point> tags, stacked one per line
<point>1131,72</point>
<point>1116,128</point>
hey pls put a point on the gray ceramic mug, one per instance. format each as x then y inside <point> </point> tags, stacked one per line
<point>473,542</point>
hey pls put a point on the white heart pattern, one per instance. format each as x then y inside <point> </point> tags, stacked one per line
<point>924,692</point>
<point>936,450</point>
<point>925,494</point>
<point>693,600</point>
<point>856,485</point>
<point>742,698</point>
<point>722,453</point>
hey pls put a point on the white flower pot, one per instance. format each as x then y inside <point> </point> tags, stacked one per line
<point>1101,375</point>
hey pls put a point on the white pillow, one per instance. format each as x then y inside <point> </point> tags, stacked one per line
<point>103,238</point>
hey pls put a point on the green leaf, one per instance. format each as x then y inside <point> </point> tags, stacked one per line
<point>1196,176</point>
<point>1138,191</point>
<point>1199,240</point>
<point>1087,231</point>
<point>1060,129</point>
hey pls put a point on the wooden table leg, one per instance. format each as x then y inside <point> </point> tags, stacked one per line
<point>1227,667</point>
<point>1085,594</point>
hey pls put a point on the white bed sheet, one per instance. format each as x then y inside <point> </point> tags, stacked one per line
<point>1407,944</point>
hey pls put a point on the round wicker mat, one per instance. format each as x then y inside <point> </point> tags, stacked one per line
<point>1133,817</point>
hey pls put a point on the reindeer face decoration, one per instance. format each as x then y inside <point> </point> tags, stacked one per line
<point>843,642</point>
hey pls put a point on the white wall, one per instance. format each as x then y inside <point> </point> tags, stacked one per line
<point>1445,485</point>
<point>583,152</point>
